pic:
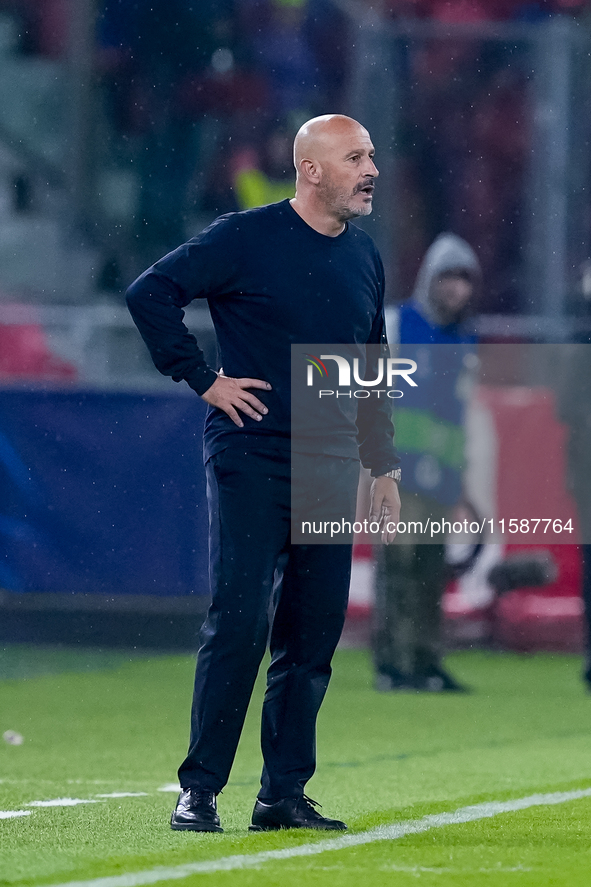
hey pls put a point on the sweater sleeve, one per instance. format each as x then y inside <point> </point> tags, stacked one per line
<point>374,416</point>
<point>204,267</point>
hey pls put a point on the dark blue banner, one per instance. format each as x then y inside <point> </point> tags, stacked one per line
<point>102,493</point>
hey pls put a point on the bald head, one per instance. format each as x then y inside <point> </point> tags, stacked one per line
<point>333,157</point>
<point>324,135</point>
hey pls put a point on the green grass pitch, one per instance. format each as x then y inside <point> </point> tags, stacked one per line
<point>96,725</point>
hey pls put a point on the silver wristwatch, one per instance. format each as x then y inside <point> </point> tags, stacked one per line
<point>395,474</point>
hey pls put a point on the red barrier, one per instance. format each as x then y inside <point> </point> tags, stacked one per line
<point>25,354</point>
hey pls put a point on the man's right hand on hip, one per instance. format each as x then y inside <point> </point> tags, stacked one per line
<point>231,395</point>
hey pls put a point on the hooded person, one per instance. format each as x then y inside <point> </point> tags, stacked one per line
<point>444,295</point>
<point>431,329</point>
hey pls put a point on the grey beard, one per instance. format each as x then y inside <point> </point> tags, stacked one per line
<point>346,212</point>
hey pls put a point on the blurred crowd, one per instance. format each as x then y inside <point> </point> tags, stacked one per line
<point>470,11</point>
<point>203,98</point>
<point>214,91</point>
<point>306,26</point>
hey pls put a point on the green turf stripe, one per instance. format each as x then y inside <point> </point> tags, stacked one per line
<point>382,833</point>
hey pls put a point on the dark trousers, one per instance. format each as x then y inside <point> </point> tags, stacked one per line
<point>410,582</point>
<point>249,503</point>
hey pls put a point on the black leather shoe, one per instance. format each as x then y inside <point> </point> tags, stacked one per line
<point>195,811</point>
<point>291,813</point>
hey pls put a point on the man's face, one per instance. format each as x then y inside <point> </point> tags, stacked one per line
<point>451,292</point>
<point>348,173</point>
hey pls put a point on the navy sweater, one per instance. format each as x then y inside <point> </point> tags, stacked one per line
<point>270,281</point>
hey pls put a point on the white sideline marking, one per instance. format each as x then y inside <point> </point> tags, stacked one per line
<point>417,869</point>
<point>170,787</point>
<point>125,795</point>
<point>61,802</point>
<point>10,814</point>
<point>381,833</point>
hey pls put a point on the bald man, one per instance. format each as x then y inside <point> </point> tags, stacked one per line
<point>291,272</point>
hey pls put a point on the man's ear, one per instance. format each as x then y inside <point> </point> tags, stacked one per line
<point>311,171</point>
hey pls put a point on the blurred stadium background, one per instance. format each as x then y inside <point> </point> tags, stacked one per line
<point>125,128</point>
